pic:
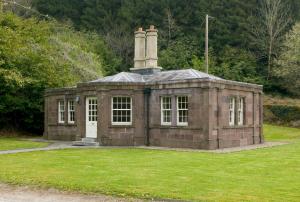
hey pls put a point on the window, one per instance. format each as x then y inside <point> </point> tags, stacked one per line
<point>182,110</point>
<point>166,111</point>
<point>121,110</point>
<point>240,112</point>
<point>231,111</point>
<point>61,111</point>
<point>71,111</point>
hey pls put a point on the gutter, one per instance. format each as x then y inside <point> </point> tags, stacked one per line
<point>147,92</point>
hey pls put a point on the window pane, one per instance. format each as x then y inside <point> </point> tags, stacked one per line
<point>231,111</point>
<point>121,109</point>
<point>61,111</point>
<point>182,109</point>
<point>166,110</point>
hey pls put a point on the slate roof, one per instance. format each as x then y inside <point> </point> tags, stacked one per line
<point>172,75</point>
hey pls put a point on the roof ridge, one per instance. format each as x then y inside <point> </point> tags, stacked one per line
<point>195,72</point>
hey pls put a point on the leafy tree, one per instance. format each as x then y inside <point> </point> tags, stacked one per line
<point>35,55</point>
<point>179,54</point>
<point>288,63</point>
<point>237,64</point>
<point>270,25</point>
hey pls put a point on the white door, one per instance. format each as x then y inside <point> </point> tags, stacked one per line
<point>91,117</point>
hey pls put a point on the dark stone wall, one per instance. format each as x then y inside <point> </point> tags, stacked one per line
<point>53,129</point>
<point>117,135</point>
<point>195,134</point>
<point>222,135</point>
<point>208,126</point>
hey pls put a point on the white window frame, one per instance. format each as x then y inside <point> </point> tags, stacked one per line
<point>240,112</point>
<point>61,111</point>
<point>231,114</point>
<point>183,109</point>
<point>112,111</point>
<point>162,110</point>
<point>71,111</point>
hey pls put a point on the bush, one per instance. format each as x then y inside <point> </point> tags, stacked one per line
<point>282,114</point>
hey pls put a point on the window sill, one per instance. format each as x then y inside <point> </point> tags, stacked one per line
<point>121,126</point>
<point>62,124</point>
<point>174,127</point>
<point>182,125</point>
<point>238,126</point>
<point>166,124</point>
<point>121,123</point>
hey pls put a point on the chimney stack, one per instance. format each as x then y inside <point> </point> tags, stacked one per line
<point>145,52</point>
<point>139,48</point>
<point>151,47</point>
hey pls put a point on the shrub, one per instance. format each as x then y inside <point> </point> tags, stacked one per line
<point>282,114</point>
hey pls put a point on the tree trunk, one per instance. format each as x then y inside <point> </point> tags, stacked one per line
<point>269,61</point>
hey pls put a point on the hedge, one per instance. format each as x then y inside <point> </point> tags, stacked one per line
<point>282,114</point>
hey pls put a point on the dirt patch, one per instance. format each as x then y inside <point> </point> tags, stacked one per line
<point>10,193</point>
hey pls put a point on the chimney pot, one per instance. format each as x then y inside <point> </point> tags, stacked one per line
<point>151,27</point>
<point>140,29</point>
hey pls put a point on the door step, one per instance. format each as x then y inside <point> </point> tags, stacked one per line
<point>86,142</point>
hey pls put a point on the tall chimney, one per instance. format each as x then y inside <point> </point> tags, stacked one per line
<point>139,48</point>
<point>151,47</point>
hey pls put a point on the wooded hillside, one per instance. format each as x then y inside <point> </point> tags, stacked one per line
<point>59,43</point>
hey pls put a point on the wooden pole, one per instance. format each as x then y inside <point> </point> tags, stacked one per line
<point>206,43</point>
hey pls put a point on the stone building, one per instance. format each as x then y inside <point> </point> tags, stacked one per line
<point>148,106</point>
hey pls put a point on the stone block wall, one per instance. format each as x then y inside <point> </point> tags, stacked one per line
<point>191,136</point>
<point>208,119</point>
<point>53,129</point>
<point>222,135</point>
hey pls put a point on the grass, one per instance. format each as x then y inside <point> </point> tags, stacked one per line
<point>269,174</point>
<point>10,143</point>
<point>280,133</point>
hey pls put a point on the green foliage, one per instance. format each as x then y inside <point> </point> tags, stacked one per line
<point>288,68</point>
<point>181,32</point>
<point>35,55</point>
<point>236,64</point>
<point>177,55</point>
<point>282,114</point>
<point>198,63</point>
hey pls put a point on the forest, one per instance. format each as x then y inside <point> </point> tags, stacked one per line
<point>49,44</point>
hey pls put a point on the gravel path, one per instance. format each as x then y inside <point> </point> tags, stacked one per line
<point>225,150</point>
<point>54,145</point>
<point>28,194</point>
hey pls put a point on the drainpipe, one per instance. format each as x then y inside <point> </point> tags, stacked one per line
<point>147,92</point>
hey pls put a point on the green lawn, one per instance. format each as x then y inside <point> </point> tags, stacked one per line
<point>9,143</point>
<point>280,133</point>
<point>269,174</point>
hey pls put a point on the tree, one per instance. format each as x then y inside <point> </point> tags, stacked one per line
<point>236,64</point>
<point>170,23</point>
<point>179,54</point>
<point>37,54</point>
<point>268,29</point>
<point>288,63</point>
